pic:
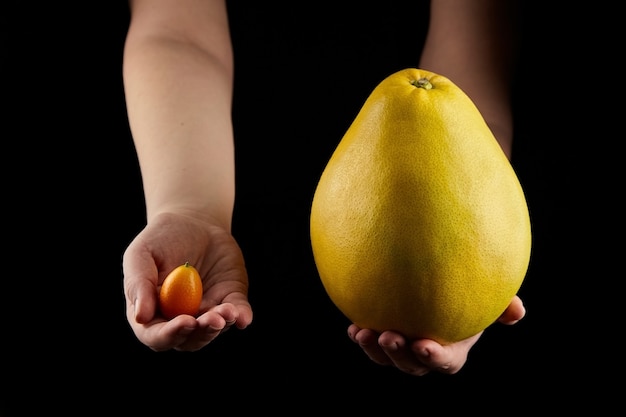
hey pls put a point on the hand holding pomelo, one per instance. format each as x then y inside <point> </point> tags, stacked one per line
<point>419,223</point>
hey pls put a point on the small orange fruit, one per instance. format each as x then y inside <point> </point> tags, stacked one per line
<point>181,292</point>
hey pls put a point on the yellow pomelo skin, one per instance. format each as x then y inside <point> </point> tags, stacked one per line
<point>419,223</point>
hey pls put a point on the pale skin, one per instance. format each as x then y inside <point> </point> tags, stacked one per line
<point>178,78</point>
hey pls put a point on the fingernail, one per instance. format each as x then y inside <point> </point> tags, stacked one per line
<point>135,308</point>
<point>393,347</point>
<point>186,331</point>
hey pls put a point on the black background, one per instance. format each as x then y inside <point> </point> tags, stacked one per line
<point>73,201</point>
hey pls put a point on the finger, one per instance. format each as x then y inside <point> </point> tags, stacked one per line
<point>448,359</point>
<point>210,325</point>
<point>514,312</point>
<point>239,314</point>
<point>353,329</point>
<point>140,283</point>
<point>368,341</point>
<point>395,347</point>
<point>218,317</point>
<point>198,339</point>
<point>161,335</point>
<point>144,301</point>
<point>241,310</point>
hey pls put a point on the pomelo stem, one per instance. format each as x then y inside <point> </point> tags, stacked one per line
<point>422,83</point>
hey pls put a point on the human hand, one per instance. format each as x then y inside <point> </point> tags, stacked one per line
<point>166,242</point>
<point>419,357</point>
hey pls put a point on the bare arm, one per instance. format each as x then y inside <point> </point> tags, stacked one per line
<point>472,43</point>
<point>178,75</point>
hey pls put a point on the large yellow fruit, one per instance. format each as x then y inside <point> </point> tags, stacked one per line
<point>419,223</point>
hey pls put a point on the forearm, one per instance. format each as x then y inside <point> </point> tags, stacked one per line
<point>472,43</point>
<point>179,96</point>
